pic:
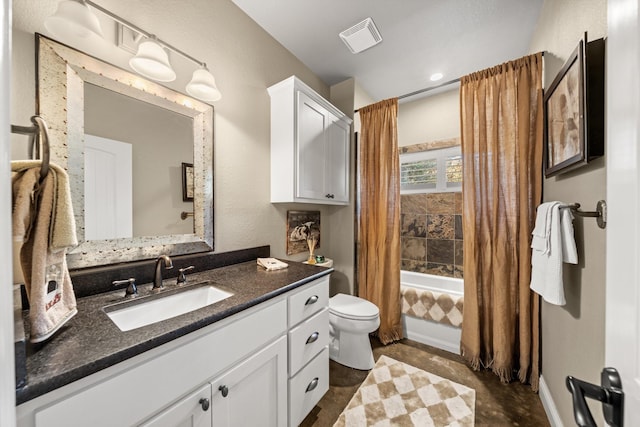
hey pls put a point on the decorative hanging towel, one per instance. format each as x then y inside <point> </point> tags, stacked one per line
<point>43,222</point>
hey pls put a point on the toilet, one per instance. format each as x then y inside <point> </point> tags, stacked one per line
<point>351,320</point>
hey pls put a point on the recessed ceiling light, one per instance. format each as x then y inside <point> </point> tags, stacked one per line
<point>436,76</point>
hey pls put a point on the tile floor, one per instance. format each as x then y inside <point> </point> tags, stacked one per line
<point>497,404</point>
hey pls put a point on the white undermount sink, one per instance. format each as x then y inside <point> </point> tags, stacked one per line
<point>131,316</point>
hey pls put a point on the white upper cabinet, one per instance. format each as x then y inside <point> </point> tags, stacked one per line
<point>310,146</point>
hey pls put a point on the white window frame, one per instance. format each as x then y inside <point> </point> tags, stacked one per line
<point>441,156</point>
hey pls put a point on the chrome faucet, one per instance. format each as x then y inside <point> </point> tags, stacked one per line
<point>157,277</point>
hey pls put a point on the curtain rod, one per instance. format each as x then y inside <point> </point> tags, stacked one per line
<point>427,89</point>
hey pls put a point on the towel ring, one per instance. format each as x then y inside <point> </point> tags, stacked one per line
<point>38,136</point>
<point>600,214</point>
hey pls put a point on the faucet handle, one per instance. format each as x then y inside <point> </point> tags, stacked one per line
<point>131,291</point>
<point>182,278</point>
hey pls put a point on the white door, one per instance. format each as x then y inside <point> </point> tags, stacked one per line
<point>623,198</point>
<point>192,411</point>
<point>254,392</point>
<point>108,189</point>
<point>338,147</point>
<point>310,159</point>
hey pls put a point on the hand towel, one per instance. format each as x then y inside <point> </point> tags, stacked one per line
<point>546,262</point>
<point>40,210</point>
<point>272,264</point>
<point>542,229</point>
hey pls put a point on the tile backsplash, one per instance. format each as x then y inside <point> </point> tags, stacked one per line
<point>431,228</point>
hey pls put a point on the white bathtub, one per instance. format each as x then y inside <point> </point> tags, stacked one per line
<point>435,334</point>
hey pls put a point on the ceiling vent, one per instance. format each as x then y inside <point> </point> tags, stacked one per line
<point>361,36</point>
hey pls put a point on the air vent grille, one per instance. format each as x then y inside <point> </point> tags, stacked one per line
<point>361,36</point>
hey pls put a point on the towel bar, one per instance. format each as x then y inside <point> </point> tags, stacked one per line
<point>37,133</point>
<point>185,215</point>
<point>600,213</point>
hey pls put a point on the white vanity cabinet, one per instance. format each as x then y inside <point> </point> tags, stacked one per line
<point>235,372</point>
<point>253,393</point>
<point>308,349</point>
<point>310,146</point>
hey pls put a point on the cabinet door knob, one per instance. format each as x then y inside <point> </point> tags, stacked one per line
<point>313,337</point>
<point>329,196</point>
<point>312,300</point>
<point>312,385</point>
<point>224,390</point>
<point>204,402</point>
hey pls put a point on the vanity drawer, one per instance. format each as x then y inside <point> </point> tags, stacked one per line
<point>308,339</point>
<point>309,301</point>
<point>307,387</point>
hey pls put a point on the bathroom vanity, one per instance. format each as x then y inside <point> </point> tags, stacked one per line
<point>258,357</point>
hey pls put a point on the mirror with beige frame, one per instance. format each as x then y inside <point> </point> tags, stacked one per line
<point>124,142</point>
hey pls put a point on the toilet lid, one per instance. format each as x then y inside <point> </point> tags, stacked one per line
<point>351,307</point>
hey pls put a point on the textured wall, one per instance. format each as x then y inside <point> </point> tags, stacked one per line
<point>245,60</point>
<point>573,335</point>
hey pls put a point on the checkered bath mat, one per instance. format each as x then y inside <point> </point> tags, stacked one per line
<point>397,394</point>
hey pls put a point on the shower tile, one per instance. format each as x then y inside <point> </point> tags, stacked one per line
<point>458,203</point>
<point>458,272</point>
<point>412,265</point>
<point>458,227</point>
<point>440,227</point>
<point>414,248</point>
<point>440,251</point>
<point>440,203</point>
<point>458,248</point>
<point>440,269</point>
<point>413,204</point>
<point>413,225</point>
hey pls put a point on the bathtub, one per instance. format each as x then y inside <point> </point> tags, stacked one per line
<point>440,335</point>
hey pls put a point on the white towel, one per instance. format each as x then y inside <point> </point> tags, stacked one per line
<point>547,259</point>
<point>542,231</point>
<point>272,264</point>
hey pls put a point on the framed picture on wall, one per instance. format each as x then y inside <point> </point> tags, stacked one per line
<point>187,182</point>
<point>302,225</point>
<point>574,110</point>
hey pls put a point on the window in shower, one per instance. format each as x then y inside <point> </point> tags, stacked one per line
<point>431,171</point>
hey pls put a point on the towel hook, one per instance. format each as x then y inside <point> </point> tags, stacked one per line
<point>600,214</point>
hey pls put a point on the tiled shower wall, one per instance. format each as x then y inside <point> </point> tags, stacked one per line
<point>432,233</point>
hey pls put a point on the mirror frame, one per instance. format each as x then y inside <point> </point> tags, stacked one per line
<point>61,72</point>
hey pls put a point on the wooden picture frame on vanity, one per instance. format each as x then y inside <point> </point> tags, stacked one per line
<point>187,182</point>
<point>300,225</point>
<point>574,110</point>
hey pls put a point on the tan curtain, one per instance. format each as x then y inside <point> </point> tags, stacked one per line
<point>379,215</point>
<point>501,127</point>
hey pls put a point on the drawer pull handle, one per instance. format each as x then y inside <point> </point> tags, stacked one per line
<point>312,300</point>
<point>204,403</point>
<point>313,338</point>
<point>224,390</point>
<point>312,385</point>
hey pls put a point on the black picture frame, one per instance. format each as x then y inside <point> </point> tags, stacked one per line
<point>187,182</point>
<point>574,111</point>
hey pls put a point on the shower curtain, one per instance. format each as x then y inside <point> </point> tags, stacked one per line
<point>502,131</point>
<point>379,215</point>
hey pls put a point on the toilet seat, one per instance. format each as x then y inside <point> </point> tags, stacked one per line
<point>351,307</point>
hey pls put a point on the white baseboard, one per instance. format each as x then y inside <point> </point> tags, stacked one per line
<point>549,405</point>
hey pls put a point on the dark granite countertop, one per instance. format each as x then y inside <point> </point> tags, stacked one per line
<point>91,342</point>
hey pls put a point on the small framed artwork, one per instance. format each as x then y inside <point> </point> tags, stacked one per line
<point>574,111</point>
<point>187,182</point>
<point>302,225</point>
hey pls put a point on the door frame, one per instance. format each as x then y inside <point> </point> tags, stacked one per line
<point>622,325</point>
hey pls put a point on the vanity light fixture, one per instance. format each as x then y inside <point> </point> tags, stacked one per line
<point>203,85</point>
<point>74,19</point>
<point>152,61</point>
